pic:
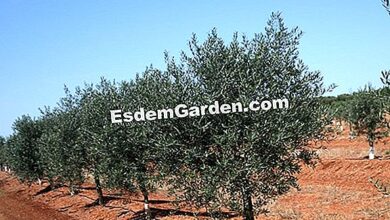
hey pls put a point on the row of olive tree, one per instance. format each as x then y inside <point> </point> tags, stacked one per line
<point>238,160</point>
<point>366,111</point>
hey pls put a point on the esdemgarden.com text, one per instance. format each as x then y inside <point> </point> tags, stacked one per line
<point>182,110</point>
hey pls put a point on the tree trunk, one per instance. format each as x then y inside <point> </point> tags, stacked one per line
<point>247,203</point>
<point>371,152</point>
<point>39,182</point>
<point>148,214</point>
<point>51,183</point>
<point>351,133</point>
<point>72,189</point>
<point>99,190</point>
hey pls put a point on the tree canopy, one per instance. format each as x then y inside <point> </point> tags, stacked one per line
<point>237,160</point>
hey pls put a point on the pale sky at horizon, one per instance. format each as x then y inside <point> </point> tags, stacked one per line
<point>46,44</point>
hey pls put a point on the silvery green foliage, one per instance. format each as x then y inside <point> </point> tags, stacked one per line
<point>144,142</point>
<point>97,135</point>
<point>245,160</point>
<point>241,160</point>
<point>59,143</point>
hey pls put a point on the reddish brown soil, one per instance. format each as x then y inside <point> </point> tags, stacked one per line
<point>337,188</point>
<point>15,205</point>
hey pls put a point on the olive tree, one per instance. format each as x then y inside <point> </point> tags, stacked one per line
<point>244,160</point>
<point>48,145</point>
<point>64,155</point>
<point>367,112</point>
<point>3,156</point>
<point>143,139</point>
<point>23,146</point>
<point>97,134</point>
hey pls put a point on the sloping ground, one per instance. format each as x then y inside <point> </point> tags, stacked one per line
<point>337,188</point>
<point>120,205</point>
<point>15,205</point>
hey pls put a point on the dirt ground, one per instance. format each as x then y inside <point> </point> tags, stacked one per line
<point>14,206</point>
<point>339,187</point>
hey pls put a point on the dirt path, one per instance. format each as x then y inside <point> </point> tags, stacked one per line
<point>13,206</point>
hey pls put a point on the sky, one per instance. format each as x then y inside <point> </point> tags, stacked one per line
<point>45,45</point>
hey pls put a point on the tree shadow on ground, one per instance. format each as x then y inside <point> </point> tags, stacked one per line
<point>154,201</point>
<point>48,189</point>
<point>86,188</point>
<point>158,212</point>
<point>377,157</point>
<point>106,199</point>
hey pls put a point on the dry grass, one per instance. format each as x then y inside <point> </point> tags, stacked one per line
<point>342,152</point>
<point>376,213</point>
<point>331,216</point>
<point>328,202</point>
<point>289,213</point>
